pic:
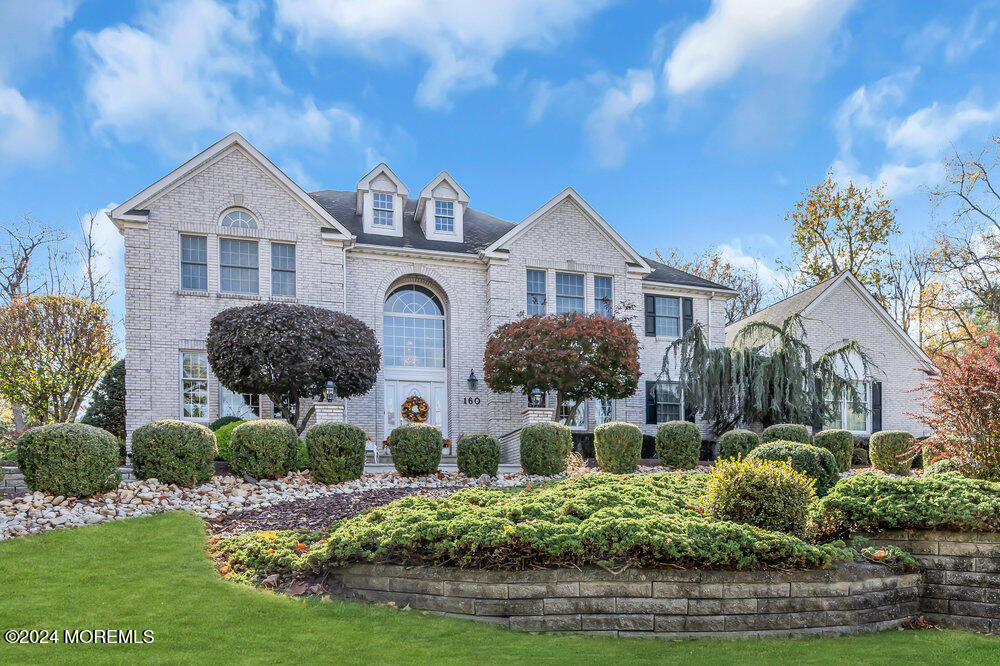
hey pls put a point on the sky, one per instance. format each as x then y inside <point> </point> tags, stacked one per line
<point>685,124</point>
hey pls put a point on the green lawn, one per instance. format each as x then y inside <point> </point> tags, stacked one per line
<point>152,573</point>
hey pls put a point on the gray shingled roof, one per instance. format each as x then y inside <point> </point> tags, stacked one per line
<point>480,231</point>
<point>776,314</point>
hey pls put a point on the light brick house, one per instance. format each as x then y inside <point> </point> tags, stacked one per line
<point>841,309</point>
<point>429,274</point>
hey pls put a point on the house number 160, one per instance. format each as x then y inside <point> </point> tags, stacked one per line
<point>471,401</point>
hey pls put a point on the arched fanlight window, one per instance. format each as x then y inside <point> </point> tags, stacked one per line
<point>238,219</point>
<point>413,323</point>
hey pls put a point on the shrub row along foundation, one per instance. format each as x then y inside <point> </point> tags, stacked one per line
<point>848,599</point>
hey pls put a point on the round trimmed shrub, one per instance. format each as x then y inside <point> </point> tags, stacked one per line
<point>940,466</point>
<point>838,442</point>
<point>478,454</point>
<point>887,451</point>
<point>223,436</point>
<point>172,451</point>
<point>860,457</point>
<point>545,447</point>
<point>678,444</point>
<point>769,494</point>
<point>415,448</point>
<point>786,432</point>
<point>810,460</point>
<point>617,446</point>
<point>737,443</point>
<point>70,459</point>
<point>264,448</point>
<point>335,452</point>
<point>224,421</point>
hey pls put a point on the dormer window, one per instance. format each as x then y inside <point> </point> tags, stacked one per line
<point>382,209</point>
<point>444,216</point>
<point>238,219</point>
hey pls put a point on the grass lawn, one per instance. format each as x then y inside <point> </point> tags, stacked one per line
<point>151,573</point>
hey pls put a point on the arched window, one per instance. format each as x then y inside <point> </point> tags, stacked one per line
<point>413,323</point>
<point>238,219</point>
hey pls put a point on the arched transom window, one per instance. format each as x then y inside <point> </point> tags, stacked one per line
<point>413,323</point>
<point>238,219</point>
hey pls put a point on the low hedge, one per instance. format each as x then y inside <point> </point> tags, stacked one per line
<point>416,448</point>
<point>173,451</point>
<point>810,460</point>
<point>765,493</point>
<point>223,436</point>
<point>737,443</point>
<point>678,444</point>
<point>545,448</point>
<point>223,421</point>
<point>264,448</point>
<point>870,502</point>
<point>478,454</point>
<point>335,452</point>
<point>617,447</point>
<point>887,450</point>
<point>838,442</point>
<point>860,457</point>
<point>599,519</point>
<point>69,459</point>
<point>786,432</point>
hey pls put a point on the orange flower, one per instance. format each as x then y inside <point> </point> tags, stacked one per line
<point>879,554</point>
<point>299,548</point>
<point>224,569</point>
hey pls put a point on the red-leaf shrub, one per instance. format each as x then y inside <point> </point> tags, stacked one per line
<point>962,406</point>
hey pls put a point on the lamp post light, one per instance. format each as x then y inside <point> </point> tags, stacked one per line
<point>331,391</point>
<point>536,398</point>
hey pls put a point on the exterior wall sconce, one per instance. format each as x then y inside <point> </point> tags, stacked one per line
<point>331,391</point>
<point>473,380</point>
<point>536,398</point>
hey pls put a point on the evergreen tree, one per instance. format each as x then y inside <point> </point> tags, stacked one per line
<point>107,409</point>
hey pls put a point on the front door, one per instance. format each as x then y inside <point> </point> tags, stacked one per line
<point>398,390</point>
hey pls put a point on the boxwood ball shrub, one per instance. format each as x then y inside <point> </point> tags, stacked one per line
<point>860,456</point>
<point>415,448</point>
<point>173,451</point>
<point>678,444</point>
<point>838,442</point>
<point>335,452</point>
<point>786,432</point>
<point>812,461</point>
<point>737,443</point>
<point>545,447</point>
<point>766,493</point>
<point>264,449</point>
<point>223,436</point>
<point>70,459</point>
<point>478,454</point>
<point>222,421</point>
<point>887,451</point>
<point>617,446</point>
<point>941,466</point>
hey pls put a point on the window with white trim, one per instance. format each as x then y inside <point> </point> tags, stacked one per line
<point>604,411</point>
<point>194,385</point>
<point>667,396</point>
<point>444,216</point>
<point>241,405</point>
<point>381,209</point>
<point>667,310</point>
<point>282,269</point>
<point>845,415</point>
<point>569,292</point>
<point>602,295</point>
<point>536,292</point>
<point>238,264</point>
<point>194,263</point>
<point>238,219</point>
<point>579,421</point>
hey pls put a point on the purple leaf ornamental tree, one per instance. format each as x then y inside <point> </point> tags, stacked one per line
<point>289,352</point>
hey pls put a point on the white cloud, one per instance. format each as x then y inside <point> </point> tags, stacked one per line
<point>929,131</point>
<point>29,132</point>
<point>609,125</point>
<point>26,28</point>
<point>190,67</point>
<point>462,41</point>
<point>774,37</point>
<point>957,39</point>
<point>770,278</point>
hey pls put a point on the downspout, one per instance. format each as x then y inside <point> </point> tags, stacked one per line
<point>710,298</point>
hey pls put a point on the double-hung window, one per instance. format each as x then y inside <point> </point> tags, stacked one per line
<point>282,269</point>
<point>238,266</point>
<point>194,385</point>
<point>664,401</point>
<point>844,414</point>
<point>667,314</point>
<point>194,263</point>
<point>444,216</point>
<point>602,295</point>
<point>536,292</point>
<point>579,421</point>
<point>381,209</point>
<point>569,292</point>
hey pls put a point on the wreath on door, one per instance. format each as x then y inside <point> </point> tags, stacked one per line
<point>414,409</point>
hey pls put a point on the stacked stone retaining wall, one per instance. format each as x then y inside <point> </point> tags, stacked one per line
<point>13,480</point>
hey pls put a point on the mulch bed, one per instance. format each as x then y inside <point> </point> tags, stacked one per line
<point>317,514</point>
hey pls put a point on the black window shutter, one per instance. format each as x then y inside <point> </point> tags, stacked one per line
<point>818,417</point>
<point>650,316</point>
<point>876,406</point>
<point>651,403</point>
<point>687,309</point>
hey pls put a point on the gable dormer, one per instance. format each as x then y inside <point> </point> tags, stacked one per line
<point>381,200</point>
<point>441,209</point>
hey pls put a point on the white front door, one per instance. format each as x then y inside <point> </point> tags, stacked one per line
<point>433,392</point>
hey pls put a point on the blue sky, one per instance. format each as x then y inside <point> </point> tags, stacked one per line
<point>686,124</point>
